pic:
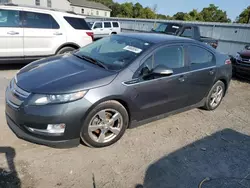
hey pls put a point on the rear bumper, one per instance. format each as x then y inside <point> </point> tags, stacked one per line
<point>56,144</point>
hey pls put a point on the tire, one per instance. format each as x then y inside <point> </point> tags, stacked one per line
<point>104,113</point>
<point>213,93</point>
<point>65,50</point>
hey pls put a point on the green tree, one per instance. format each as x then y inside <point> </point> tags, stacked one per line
<point>148,13</point>
<point>214,14</point>
<point>137,10</point>
<point>180,16</point>
<point>126,10</point>
<point>194,15</point>
<point>244,16</point>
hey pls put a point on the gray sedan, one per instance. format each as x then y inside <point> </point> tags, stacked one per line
<point>118,82</point>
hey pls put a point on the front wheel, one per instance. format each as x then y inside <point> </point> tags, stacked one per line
<point>215,96</point>
<point>105,124</point>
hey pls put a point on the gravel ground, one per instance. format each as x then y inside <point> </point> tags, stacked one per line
<point>179,151</point>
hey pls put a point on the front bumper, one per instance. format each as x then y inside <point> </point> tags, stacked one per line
<point>20,133</point>
<point>38,117</point>
<point>241,69</point>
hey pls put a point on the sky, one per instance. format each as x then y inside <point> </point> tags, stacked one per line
<point>170,7</point>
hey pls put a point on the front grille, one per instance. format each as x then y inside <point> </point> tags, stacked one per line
<point>245,59</point>
<point>15,95</point>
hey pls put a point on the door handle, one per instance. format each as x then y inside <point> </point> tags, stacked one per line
<point>57,33</point>
<point>211,71</point>
<point>182,78</point>
<point>13,33</point>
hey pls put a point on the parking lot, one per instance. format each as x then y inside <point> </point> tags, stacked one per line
<point>179,151</point>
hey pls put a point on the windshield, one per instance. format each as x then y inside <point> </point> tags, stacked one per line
<point>171,29</point>
<point>90,24</point>
<point>115,52</point>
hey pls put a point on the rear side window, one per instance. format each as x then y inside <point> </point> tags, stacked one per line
<point>115,24</point>
<point>107,25</point>
<point>198,55</point>
<point>39,21</point>
<point>77,23</point>
<point>187,32</point>
<point>9,18</point>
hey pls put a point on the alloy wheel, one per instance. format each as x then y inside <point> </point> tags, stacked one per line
<point>216,96</point>
<point>105,125</point>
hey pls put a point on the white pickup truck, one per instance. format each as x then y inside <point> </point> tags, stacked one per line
<point>104,28</point>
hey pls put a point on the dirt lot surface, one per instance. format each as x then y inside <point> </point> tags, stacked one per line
<point>179,151</point>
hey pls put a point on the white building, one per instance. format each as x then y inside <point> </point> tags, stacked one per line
<point>78,6</point>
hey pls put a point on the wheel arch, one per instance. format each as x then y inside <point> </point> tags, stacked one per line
<point>224,80</point>
<point>68,44</point>
<point>119,99</point>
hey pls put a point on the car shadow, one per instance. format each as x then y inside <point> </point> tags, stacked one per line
<point>221,160</point>
<point>244,80</point>
<point>9,177</point>
<point>11,66</point>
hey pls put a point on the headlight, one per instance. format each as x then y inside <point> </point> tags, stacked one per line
<point>38,99</point>
<point>238,57</point>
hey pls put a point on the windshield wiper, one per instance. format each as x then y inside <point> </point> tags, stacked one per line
<point>91,60</point>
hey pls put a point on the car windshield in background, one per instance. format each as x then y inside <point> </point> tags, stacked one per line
<point>90,24</point>
<point>115,52</point>
<point>171,29</point>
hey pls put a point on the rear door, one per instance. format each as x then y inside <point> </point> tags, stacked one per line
<point>202,63</point>
<point>116,27</point>
<point>107,28</point>
<point>11,34</point>
<point>42,34</point>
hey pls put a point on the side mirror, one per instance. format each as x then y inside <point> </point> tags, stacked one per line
<point>247,47</point>
<point>162,70</point>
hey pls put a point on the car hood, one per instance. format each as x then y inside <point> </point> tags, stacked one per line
<point>62,74</point>
<point>245,53</point>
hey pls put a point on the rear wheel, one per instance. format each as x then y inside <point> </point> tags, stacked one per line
<point>105,124</point>
<point>215,96</point>
<point>65,50</point>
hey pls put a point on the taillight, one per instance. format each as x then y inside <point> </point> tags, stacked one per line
<point>91,34</point>
<point>228,62</point>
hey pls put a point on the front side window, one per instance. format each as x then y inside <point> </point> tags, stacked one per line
<point>198,55</point>
<point>9,18</point>
<point>37,2</point>
<point>116,52</point>
<point>107,25</point>
<point>98,25</point>
<point>77,23</point>
<point>172,57</point>
<point>39,21</point>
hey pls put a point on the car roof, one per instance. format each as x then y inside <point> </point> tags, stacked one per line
<point>156,38</point>
<point>39,9</point>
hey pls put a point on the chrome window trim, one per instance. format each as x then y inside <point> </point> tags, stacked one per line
<point>172,76</point>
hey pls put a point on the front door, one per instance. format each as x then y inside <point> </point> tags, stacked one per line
<point>202,64</point>
<point>98,30</point>
<point>42,34</point>
<point>11,34</point>
<point>162,94</point>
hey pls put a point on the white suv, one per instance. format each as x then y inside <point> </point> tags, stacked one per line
<point>28,33</point>
<point>105,28</point>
